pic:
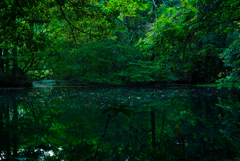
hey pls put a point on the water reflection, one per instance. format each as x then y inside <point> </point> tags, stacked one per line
<point>167,124</point>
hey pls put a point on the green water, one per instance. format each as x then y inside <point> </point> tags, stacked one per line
<point>66,123</point>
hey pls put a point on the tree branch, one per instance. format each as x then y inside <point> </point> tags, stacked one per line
<point>70,24</point>
<point>155,7</point>
<point>164,3</point>
<point>109,115</point>
<point>134,33</point>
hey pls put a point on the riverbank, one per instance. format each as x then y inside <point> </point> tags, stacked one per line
<point>61,83</point>
<point>219,85</point>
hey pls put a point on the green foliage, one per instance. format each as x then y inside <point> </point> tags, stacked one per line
<point>184,41</point>
<point>177,40</point>
<point>231,58</point>
<point>108,61</point>
<point>62,22</point>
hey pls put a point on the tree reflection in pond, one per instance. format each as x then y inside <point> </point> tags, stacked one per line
<point>174,123</point>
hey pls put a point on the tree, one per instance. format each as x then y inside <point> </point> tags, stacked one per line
<point>30,29</point>
<point>176,32</point>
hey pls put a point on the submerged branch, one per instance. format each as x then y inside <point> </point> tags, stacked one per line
<point>109,115</point>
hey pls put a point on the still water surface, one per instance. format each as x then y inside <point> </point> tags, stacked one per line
<point>167,123</point>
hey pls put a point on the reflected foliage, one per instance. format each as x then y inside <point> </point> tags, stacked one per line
<point>166,124</point>
<point>231,121</point>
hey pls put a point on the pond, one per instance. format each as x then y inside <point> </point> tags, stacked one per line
<point>166,123</point>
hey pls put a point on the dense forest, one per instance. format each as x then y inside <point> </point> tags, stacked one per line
<point>122,74</point>
<point>119,42</point>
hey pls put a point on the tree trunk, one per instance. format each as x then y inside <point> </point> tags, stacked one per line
<point>1,61</point>
<point>6,60</point>
<point>15,65</point>
<point>15,124</point>
<point>2,105</point>
<point>7,137</point>
<point>153,124</point>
